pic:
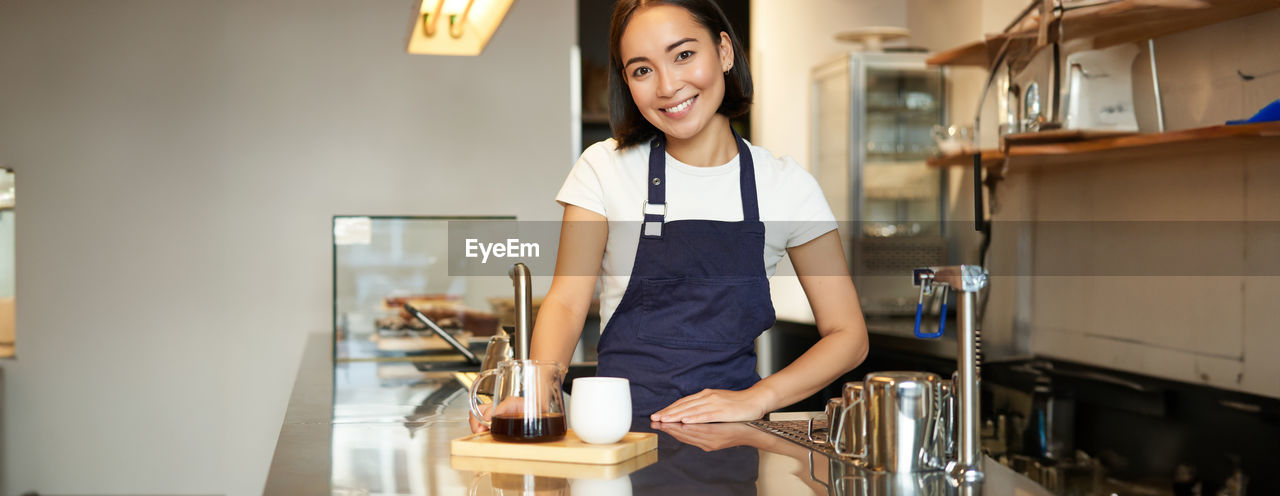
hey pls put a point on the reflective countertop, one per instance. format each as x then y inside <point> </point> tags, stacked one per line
<point>385,428</point>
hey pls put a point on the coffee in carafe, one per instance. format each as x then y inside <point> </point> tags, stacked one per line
<point>528,405</point>
<point>521,429</point>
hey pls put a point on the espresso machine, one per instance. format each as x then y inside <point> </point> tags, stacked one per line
<point>912,430</point>
<point>966,281</point>
<point>915,421</point>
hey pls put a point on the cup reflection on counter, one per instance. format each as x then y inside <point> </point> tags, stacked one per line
<point>620,486</point>
<point>503,484</point>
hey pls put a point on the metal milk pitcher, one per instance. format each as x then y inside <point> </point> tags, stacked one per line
<point>903,428</point>
<point>849,432</point>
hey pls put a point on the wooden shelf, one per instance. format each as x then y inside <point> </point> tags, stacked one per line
<point>1213,139</point>
<point>990,158</point>
<point>1022,152</point>
<point>973,54</point>
<point>1113,23</point>
<point>1136,20</point>
<point>1059,136</point>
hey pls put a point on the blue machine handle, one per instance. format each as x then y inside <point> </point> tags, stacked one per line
<point>942,321</point>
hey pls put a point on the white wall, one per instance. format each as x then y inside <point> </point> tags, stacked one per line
<point>179,164</point>
<point>1201,329</point>
<point>1215,329</point>
<point>787,40</point>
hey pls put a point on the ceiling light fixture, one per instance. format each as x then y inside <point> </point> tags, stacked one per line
<point>455,27</point>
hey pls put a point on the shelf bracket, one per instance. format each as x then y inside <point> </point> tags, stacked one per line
<point>979,220</point>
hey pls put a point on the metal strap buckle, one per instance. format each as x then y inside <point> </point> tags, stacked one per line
<point>647,212</point>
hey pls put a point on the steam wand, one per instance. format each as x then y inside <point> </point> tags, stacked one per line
<point>966,280</point>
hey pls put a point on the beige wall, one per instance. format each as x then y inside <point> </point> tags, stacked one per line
<point>787,40</point>
<point>180,162</point>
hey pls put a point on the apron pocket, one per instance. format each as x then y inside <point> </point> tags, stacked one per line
<point>705,313</point>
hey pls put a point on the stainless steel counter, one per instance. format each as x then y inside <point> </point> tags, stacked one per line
<point>384,428</point>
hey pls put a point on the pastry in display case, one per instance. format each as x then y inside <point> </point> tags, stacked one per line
<point>447,311</point>
<point>382,264</point>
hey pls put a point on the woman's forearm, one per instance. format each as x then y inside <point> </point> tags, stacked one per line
<point>821,268</point>
<point>558,324</point>
<point>556,333</point>
<point>824,362</point>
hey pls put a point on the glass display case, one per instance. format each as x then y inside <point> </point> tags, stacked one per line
<point>381,263</point>
<point>873,121</point>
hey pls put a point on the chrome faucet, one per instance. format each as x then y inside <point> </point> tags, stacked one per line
<point>966,281</point>
<point>520,278</point>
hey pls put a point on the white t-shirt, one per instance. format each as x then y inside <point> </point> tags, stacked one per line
<point>614,183</point>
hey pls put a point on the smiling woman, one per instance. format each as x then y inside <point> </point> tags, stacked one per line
<point>688,222</point>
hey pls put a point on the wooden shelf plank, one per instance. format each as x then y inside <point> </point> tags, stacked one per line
<point>970,54</point>
<point>990,158</point>
<point>1063,147</point>
<point>1136,20</point>
<point>1113,23</point>
<point>1059,136</point>
<point>1213,139</point>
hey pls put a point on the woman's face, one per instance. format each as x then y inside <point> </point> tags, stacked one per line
<point>674,69</point>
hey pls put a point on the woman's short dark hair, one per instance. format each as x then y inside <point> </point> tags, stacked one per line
<point>629,126</point>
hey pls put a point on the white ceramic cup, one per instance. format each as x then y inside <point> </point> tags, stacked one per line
<point>620,486</point>
<point>600,409</point>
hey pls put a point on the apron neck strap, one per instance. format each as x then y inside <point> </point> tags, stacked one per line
<point>747,180</point>
<point>656,207</point>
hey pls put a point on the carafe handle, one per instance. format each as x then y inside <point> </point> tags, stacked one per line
<point>473,401</point>
<point>471,488</point>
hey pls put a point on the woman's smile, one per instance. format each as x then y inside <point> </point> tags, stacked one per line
<point>681,109</point>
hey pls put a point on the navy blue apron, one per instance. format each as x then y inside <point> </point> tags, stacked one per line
<point>697,299</point>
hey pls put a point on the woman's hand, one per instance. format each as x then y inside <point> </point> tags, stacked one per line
<point>477,426</point>
<point>713,437</point>
<point>510,406</point>
<point>715,405</point>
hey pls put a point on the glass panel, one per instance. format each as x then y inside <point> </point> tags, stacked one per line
<point>380,263</point>
<point>900,193</point>
<point>8,321</point>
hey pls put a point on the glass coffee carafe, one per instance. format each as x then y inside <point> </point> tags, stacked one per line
<point>528,405</point>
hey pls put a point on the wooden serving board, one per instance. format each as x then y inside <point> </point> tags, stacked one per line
<point>570,449</point>
<point>553,469</point>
